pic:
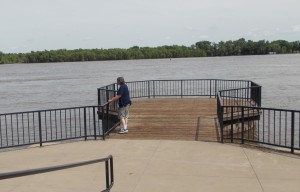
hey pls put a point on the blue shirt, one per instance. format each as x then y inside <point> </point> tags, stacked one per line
<point>124,100</point>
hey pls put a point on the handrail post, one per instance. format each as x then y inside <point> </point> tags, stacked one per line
<point>107,174</point>
<point>231,130</point>
<point>210,88</point>
<point>259,95</point>
<point>107,115</point>
<point>94,120</point>
<point>149,94</point>
<point>293,132</point>
<point>248,92</point>
<point>103,128</point>
<point>243,128</point>
<point>111,170</point>
<point>153,89</point>
<point>85,128</point>
<point>99,97</point>
<point>181,86</point>
<point>40,129</point>
<point>222,125</point>
<point>216,88</point>
<point>237,95</point>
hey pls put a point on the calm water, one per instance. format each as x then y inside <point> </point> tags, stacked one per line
<point>26,87</point>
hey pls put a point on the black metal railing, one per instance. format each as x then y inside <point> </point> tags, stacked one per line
<point>237,102</point>
<point>109,170</point>
<point>234,100</point>
<point>52,125</point>
<point>242,118</point>
<point>241,97</point>
<point>237,91</point>
<point>173,88</point>
<point>38,127</point>
<point>269,126</point>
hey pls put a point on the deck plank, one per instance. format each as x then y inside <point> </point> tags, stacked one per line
<point>172,119</point>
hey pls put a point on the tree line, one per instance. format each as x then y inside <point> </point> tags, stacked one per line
<point>199,49</point>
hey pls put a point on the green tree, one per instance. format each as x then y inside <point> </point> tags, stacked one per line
<point>207,47</point>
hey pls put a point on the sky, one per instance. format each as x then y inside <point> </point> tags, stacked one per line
<point>38,25</point>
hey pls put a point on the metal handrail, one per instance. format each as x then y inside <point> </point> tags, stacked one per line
<point>234,97</point>
<point>240,94</point>
<point>108,166</point>
<point>52,125</point>
<point>177,88</point>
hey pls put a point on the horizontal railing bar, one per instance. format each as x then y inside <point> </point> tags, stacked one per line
<point>230,80</point>
<point>227,90</point>
<point>262,108</point>
<point>21,173</point>
<point>191,80</point>
<point>56,109</point>
<point>102,88</point>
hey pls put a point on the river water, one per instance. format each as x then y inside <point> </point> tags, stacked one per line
<point>26,87</point>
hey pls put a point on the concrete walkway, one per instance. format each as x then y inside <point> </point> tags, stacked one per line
<point>153,165</point>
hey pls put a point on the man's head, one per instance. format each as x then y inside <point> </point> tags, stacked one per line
<point>120,80</point>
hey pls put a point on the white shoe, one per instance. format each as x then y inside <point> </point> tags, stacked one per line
<point>122,131</point>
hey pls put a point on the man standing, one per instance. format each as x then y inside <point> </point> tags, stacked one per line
<point>124,103</point>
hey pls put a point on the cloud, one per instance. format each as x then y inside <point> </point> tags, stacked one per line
<point>203,37</point>
<point>14,47</point>
<point>88,38</point>
<point>296,28</point>
<point>254,32</point>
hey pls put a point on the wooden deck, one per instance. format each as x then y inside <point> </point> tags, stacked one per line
<point>172,119</point>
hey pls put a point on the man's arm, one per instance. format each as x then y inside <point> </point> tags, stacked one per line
<point>115,98</point>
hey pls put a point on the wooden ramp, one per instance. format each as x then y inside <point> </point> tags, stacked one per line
<point>172,119</point>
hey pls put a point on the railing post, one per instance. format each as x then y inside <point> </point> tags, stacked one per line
<point>243,128</point>
<point>248,92</point>
<point>111,170</point>
<point>149,94</point>
<point>107,115</point>
<point>293,132</point>
<point>94,120</point>
<point>181,86</point>
<point>40,129</point>
<point>221,124</point>
<point>231,130</point>
<point>107,94</point>
<point>259,95</point>
<point>103,127</point>
<point>216,88</point>
<point>99,97</point>
<point>237,97</point>
<point>107,174</point>
<point>153,89</point>
<point>84,121</point>
<point>210,88</point>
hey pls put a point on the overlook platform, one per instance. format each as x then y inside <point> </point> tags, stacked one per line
<point>172,119</point>
<point>164,149</point>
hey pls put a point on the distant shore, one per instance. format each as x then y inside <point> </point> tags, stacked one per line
<point>199,49</point>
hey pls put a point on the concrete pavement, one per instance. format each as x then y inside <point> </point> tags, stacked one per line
<point>153,165</point>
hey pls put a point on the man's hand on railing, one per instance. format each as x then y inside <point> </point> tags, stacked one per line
<point>114,98</point>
